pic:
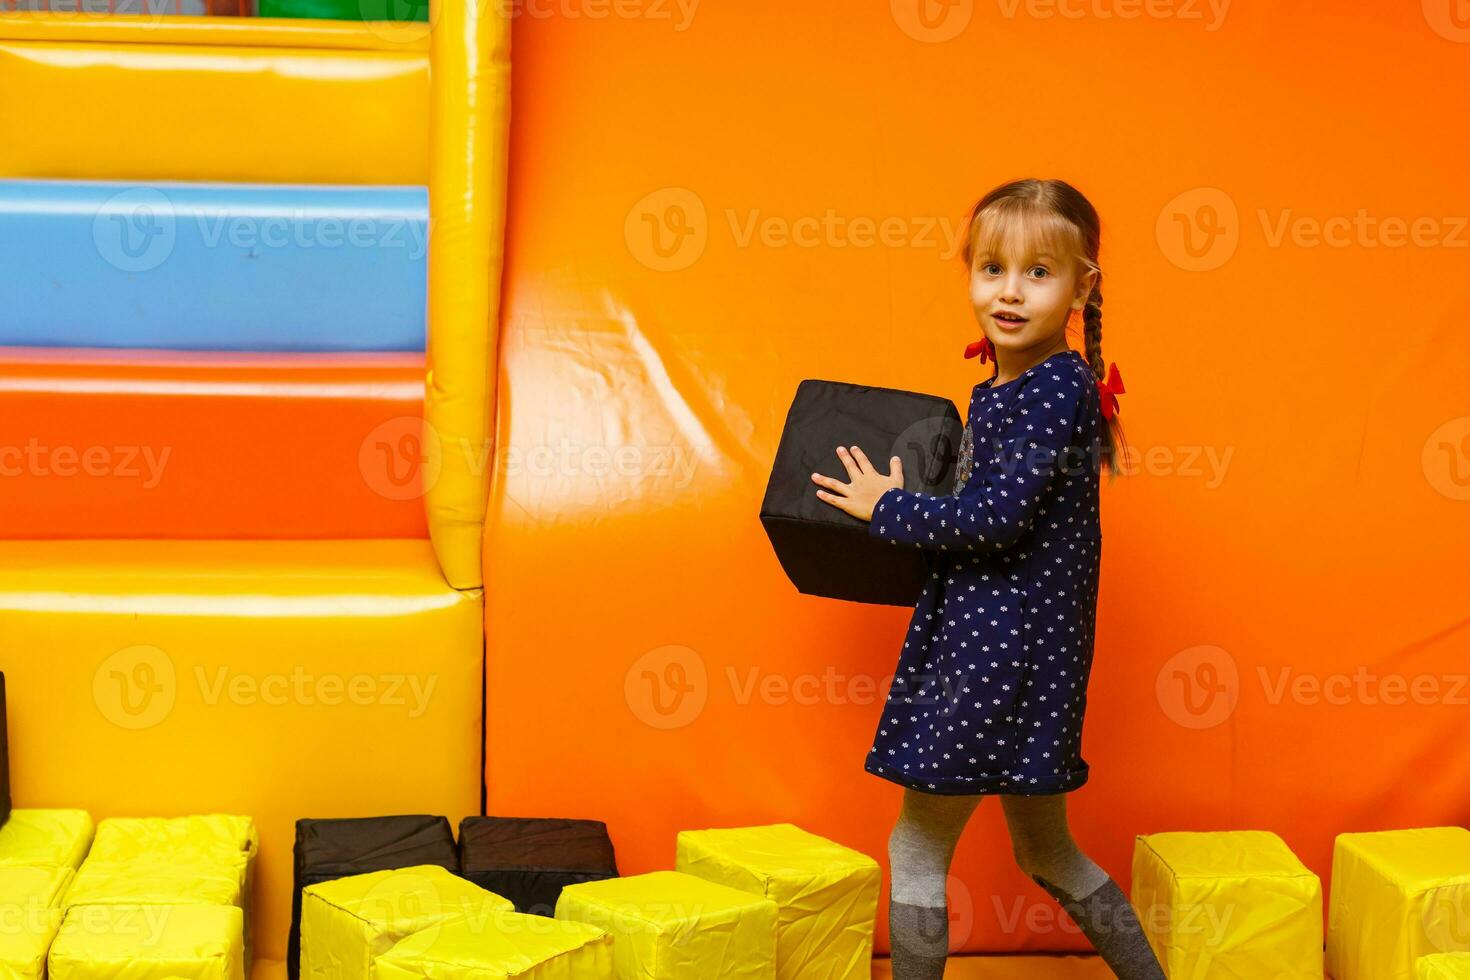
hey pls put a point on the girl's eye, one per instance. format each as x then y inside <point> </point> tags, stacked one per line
<point>1044,270</point>
<point>992,268</point>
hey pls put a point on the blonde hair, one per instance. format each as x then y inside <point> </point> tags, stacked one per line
<point>1029,217</point>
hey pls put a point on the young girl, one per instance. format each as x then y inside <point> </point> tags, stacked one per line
<point>991,684</point>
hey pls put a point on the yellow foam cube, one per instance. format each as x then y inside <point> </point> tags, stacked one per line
<point>826,894</point>
<point>1442,966</point>
<point>147,883</point>
<point>196,839</point>
<point>348,923</point>
<point>501,946</point>
<point>667,925</point>
<point>45,839</point>
<point>1232,903</point>
<point>1397,895</point>
<point>30,913</point>
<point>149,942</point>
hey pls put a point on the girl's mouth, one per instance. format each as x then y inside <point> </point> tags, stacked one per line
<point>1008,321</point>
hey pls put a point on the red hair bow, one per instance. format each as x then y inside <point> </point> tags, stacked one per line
<point>1109,391</point>
<point>983,347</point>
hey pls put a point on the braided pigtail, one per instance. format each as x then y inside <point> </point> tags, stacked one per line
<point>1092,340</point>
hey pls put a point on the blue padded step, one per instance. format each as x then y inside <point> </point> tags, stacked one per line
<point>182,266</point>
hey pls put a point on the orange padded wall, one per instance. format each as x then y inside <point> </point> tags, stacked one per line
<point>705,210</point>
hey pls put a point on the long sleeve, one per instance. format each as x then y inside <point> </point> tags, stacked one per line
<point>998,503</point>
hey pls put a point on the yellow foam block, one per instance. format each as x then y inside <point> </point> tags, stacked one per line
<point>1443,966</point>
<point>149,942</point>
<point>142,861</point>
<point>826,894</point>
<point>348,923</point>
<point>45,838</point>
<point>667,925</point>
<point>500,946</point>
<point>139,883</point>
<point>243,677</point>
<point>30,913</point>
<point>1228,904</point>
<point>204,838</point>
<point>1397,895</point>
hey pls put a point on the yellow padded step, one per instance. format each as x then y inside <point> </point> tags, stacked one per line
<point>275,679</point>
<point>1397,895</point>
<point>45,838</point>
<point>346,924</point>
<point>30,913</point>
<point>827,894</point>
<point>667,925</point>
<point>1443,966</point>
<point>507,946</point>
<point>1234,903</point>
<point>149,942</point>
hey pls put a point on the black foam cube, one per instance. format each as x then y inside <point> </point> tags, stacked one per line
<point>4,757</point>
<point>824,550</point>
<point>528,860</point>
<point>339,848</point>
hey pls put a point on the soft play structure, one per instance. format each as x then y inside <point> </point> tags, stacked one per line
<point>387,582</point>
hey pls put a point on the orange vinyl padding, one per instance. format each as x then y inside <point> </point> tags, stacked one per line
<point>162,444</point>
<point>704,211</point>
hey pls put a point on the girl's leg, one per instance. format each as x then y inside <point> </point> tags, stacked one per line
<point>1045,850</point>
<point>919,853</point>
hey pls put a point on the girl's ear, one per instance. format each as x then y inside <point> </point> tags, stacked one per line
<point>1085,282</point>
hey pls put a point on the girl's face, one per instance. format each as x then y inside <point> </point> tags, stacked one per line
<point>1024,301</point>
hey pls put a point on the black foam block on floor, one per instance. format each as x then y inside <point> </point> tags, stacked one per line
<point>342,847</point>
<point>4,757</point>
<point>528,860</point>
<point>824,550</point>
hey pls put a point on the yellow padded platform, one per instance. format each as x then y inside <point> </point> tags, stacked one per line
<point>1397,895</point>
<point>30,913</point>
<point>1232,903</point>
<point>45,838</point>
<point>203,858</point>
<point>827,894</point>
<point>277,679</point>
<point>667,925</point>
<point>149,942</point>
<point>346,924</point>
<point>503,946</point>
<point>1443,966</point>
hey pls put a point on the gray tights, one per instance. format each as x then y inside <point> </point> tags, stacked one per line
<point>922,846</point>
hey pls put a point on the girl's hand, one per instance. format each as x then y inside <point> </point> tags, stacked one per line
<point>860,496</point>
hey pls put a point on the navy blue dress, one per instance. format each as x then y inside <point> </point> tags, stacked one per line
<point>991,683</point>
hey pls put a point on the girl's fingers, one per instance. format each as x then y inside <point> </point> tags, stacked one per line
<point>847,462</point>
<point>862,459</point>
